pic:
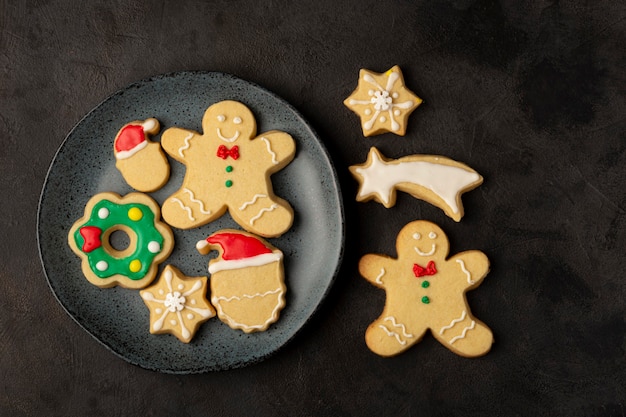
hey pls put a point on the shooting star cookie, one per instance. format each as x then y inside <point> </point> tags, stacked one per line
<point>437,180</point>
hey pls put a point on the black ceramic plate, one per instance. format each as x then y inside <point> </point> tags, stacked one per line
<point>117,317</point>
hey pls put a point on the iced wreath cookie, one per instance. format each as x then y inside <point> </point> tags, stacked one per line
<point>135,214</point>
<point>141,162</point>
<point>229,167</point>
<point>382,102</point>
<point>177,304</point>
<point>425,290</point>
<point>435,179</point>
<point>247,279</point>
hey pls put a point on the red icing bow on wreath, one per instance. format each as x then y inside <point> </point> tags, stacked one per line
<point>420,271</point>
<point>223,152</point>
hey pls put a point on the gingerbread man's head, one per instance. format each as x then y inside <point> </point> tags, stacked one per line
<point>422,239</point>
<point>229,120</point>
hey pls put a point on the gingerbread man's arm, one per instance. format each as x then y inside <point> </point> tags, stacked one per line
<point>276,147</point>
<point>473,265</point>
<point>374,268</point>
<point>176,141</point>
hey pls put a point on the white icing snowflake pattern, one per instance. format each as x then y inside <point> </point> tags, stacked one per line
<point>384,108</point>
<point>178,307</point>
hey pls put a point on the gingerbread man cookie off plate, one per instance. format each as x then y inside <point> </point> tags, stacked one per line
<point>85,165</point>
<point>425,290</point>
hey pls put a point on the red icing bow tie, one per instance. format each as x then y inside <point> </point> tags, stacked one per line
<point>223,152</point>
<point>420,271</point>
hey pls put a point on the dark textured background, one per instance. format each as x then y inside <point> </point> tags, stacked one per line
<point>529,93</point>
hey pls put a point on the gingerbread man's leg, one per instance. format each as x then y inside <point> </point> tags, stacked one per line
<point>464,334</point>
<point>390,335</point>
<point>185,209</point>
<point>263,214</point>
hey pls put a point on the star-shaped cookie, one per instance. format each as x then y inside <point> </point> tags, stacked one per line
<point>383,102</point>
<point>437,180</point>
<point>177,304</point>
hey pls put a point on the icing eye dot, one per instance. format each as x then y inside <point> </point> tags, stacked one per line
<point>158,310</point>
<point>370,92</point>
<point>432,235</point>
<point>161,292</point>
<point>394,95</point>
<point>382,119</point>
<point>190,316</point>
<point>396,112</point>
<point>102,266</point>
<point>193,301</point>
<point>237,120</point>
<point>367,112</point>
<point>181,286</point>
<point>221,118</point>
<point>173,322</point>
<point>417,236</point>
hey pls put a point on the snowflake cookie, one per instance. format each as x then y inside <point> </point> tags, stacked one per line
<point>177,304</point>
<point>426,290</point>
<point>382,102</point>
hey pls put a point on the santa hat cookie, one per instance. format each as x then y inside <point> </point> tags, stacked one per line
<point>247,279</point>
<point>141,162</point>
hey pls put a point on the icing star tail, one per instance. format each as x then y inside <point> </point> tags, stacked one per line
<point>437,180</point>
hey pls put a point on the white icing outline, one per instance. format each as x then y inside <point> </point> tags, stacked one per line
<point>257,260</point>
<point>378,278</point>
<point>186,145</point>
<point>462,335</point>
<point>195,200</point>
<point>467,273</point>
<point>251,202</point>
<point>185,208</point>
<point>269,149</point>
<point>391,333</point>
<point>392,319</point>
<point>452,323</point>
<point>432,250</point>
<point>131,152</point>
<point>233,323</point>
<point>225,139</point>
<point>263,211</point>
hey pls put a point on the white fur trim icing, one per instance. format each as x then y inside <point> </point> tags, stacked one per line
<point>257,260</point>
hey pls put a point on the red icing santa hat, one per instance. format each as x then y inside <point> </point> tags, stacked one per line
<point>132,138</point>
<point>239,251</point>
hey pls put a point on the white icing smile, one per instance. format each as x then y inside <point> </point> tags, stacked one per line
<point>419,252</point>
<point>225,139</point>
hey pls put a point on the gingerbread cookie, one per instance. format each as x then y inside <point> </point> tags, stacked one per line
<point>177,304</point>
<point>136,215</point>
<point>229,167</point>
<point>383,102</point>
<point>435,179</point>
<point>141,162</point>
<point>247,279</point>
<point>426,290</point>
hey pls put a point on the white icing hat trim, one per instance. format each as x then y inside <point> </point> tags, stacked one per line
<point>131,152</point>
<point>257,260</point>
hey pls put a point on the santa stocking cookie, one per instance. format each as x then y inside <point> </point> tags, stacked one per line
<point>426,290</point>
<point>229,168</point>
<point>247,279</point>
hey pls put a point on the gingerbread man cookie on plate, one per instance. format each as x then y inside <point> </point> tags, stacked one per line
<point>229,167</point>
<point>426,290</point>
